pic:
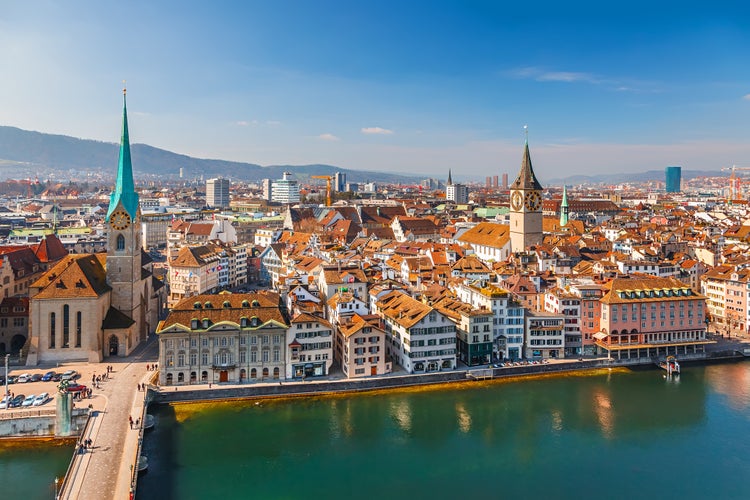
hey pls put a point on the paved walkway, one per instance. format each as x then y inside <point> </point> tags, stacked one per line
<point>105,470</point>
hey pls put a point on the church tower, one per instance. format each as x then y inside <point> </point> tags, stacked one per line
<point>564,208</point>
<point>525,206</point>
<point>124,234</point>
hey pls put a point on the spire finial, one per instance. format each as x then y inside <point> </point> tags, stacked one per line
<point>124,88</point>
<point>526,133</point>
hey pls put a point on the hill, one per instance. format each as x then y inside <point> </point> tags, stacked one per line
<point>29,150</point>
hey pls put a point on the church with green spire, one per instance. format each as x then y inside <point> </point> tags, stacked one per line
<point>89,307</point>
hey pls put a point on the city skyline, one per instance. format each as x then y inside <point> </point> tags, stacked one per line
<point>416,88</point>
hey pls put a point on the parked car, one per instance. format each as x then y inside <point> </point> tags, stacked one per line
<point>57,377</point>
<point>76,388</point>
<point>17,401</point>
<point>36,377</point>
<point>22,379</point>
<point>29,400</point>
<point>70,375</point>
<point>48,376</point>
<point>4,402</point>
<point>40,399</point>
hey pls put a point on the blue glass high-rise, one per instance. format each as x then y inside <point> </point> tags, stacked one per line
<point>673,177</point>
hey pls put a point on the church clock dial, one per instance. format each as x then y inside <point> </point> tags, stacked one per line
<point>120,220</point>
<point>533,201</point>
<point>516,200</point>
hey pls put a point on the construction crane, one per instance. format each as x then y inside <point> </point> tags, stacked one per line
<point>734,181</point>
<point>328,179</point>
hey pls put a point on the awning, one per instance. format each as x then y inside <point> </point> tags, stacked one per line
<point>601,335</point>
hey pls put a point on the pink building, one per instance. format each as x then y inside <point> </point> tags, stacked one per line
<point>651,318</point>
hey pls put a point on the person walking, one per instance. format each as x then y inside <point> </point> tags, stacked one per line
<point>131,422</point>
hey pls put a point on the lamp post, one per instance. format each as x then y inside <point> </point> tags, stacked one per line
<point>57,482</point>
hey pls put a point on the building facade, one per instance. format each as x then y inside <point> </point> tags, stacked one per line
<point>227,337</point>
<point>285,190</point>
<point>525,207</point>
<point>217,192</point>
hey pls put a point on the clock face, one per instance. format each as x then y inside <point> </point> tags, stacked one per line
<point>516,199</point>
<point>533,201</point>
<point>120,220</point>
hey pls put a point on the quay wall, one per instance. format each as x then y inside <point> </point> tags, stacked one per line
<point>164,395</point>
<point>38,423</point>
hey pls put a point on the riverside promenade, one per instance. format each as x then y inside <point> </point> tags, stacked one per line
<point>106,469</point>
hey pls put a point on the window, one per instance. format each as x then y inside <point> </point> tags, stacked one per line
<point>265,356</point>
<point>204,358</point>
<point>276,355</point>
<point>253,357</point>
<point>193,358</point>
<point>120,242</point>
<point>19,321</point>
<point>277,339</point>
<point>181,359</point>
<point>78,328</point>
<point>52,330</point>
<point>66,326</point>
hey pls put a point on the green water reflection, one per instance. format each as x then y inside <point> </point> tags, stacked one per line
<point>613,435</point>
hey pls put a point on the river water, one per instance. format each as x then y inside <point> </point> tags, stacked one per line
<point>609,434</point>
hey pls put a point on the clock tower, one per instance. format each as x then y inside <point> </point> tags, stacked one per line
<point>525,207</point>
<point>124,235</point>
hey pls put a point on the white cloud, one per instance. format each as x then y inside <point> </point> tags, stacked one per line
<point>565,76</point>
<point>328,137</point>
<point>242,123</point>
<point>746,97</point>
<point>376,130</point>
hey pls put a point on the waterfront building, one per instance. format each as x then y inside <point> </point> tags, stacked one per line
<point>508,316</point>
<point>651,318</point>
<point>193,271</point>
<point>310,345</point>
<point>420,339</point>
<point>673,177</point>
<point>545,337</point>
<point>223,338</point>
<point>473,330</point>
<point>589,294</point>
<point>285,190</point>
<point>561,301</point>
<point>217,192</point>
<point>93,305</point>
<point>525,207</point>
<point>361,346</point>
<point>344,304</point>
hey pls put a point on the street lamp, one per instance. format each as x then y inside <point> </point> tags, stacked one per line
<point>57,481</point>
<point>7,402</point>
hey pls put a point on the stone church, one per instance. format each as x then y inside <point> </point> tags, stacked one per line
<point>90,306</point>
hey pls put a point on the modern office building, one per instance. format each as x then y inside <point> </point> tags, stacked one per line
<point>217,192</point>
<point>285,190</point>
<point>457,193</point>
<point>267,186</point>
<point>673,178</point>
<point>339,182</point>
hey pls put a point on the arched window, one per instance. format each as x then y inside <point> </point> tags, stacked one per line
<point>120,242</point>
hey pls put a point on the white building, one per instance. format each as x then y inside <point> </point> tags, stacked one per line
<point>285,190</point>
<point>457,193</point>
<point>508,320</point>
<point>309,347</point>
<point>420,338</point>
<point>217,192</point>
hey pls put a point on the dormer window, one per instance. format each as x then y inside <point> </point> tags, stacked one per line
<point>206,323</point>
<point>256,303</point>
<point>227,304</point>
<point>245,303</point>
<point>197,305</point>
<point>254,321</point>
<point>208,305</point>
<point>243,322</point>
<point>193,324</point>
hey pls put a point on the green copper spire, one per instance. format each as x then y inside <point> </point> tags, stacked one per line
<point>124,192</point>
<point>564,208</point>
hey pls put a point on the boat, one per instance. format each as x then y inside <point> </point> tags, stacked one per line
<point>142,464</point>
<point>148,422</point>
<point>671,366</point>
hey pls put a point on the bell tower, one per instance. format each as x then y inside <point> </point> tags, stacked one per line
<point>124,232</point>
<point>525,206</point>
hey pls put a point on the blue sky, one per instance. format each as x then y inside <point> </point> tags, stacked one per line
<point>401,86</point>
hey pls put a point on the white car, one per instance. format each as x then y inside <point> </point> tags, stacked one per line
<point>70,375</point>
<point>29,400</point>
<point>4,402</point>
<point>23,378</point>
<point>40,399</point>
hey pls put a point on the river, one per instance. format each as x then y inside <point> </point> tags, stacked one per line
<point>612,434</point>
